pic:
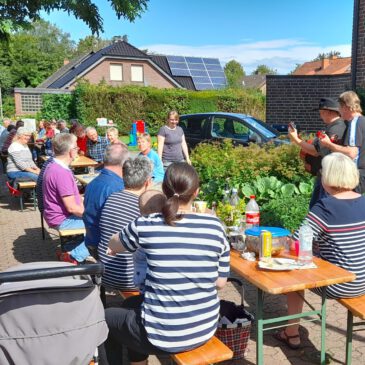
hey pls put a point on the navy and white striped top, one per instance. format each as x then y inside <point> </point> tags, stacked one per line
<point>339,228</point>
<point>119,210</point>
<point>180,309</point>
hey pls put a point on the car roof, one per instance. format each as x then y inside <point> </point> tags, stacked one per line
<point>240,115</point>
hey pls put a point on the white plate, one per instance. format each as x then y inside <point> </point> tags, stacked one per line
<point>279,264</point>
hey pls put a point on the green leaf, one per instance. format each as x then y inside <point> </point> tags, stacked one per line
<point>288,190</point>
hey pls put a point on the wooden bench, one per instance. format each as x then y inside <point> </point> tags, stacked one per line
<point>355,307</point>
<point>64,233</point>
<point>213,351</point>
<point>25,185</point>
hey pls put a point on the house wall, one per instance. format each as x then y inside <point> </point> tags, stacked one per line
<point>358,48</point>
<point>293,98</point>
<point>152,77</point>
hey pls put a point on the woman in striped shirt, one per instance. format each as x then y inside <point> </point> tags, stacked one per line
<point>187,260</point>
<point>338,222</point>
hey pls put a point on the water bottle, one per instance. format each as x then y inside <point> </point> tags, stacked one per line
<point>234,202</point>
<point>252,213</point>
<point>305,244</point>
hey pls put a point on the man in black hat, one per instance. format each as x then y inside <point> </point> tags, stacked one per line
<point>354,139</point>
<point>335,129</point>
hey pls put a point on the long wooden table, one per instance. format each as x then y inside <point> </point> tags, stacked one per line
<point>85,179</point>
<point>80,161</point>
<point>282,282</point>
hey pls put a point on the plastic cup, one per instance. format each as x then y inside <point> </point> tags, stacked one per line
<point>200,206</point>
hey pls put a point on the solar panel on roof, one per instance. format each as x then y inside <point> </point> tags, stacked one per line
<point>206,73</point>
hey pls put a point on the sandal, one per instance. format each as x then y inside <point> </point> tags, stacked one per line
<point>286,339</point>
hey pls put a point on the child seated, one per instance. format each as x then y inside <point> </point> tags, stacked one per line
<point>151,201</point>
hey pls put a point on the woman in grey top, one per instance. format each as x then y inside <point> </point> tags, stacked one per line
<point>20,162</point>
<point>172,146</point>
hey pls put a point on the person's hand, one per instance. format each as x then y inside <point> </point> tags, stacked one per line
<point>293,135</point>
<point>188,161</point>
<point>325,141</point>
<point>110,252</point>
<point>81,153</point>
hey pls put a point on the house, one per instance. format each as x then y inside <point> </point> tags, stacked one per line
<point>120,64</point>
<point>325,66</point>
<point>255,82</point>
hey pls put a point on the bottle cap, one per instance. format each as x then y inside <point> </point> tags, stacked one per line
<point>252,196</point>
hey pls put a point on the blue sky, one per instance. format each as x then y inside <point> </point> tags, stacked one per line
<point>278,33</point>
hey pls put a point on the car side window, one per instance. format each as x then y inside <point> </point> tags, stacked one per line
<point>226,127</point>
<point>193,127</point>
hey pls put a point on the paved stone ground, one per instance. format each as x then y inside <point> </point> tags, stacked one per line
<point>21,241</point>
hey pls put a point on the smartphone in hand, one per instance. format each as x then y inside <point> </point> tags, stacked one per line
<point>292,126</point>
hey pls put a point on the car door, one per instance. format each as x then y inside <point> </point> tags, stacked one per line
<point>195,128</point>
<point>235,129</point>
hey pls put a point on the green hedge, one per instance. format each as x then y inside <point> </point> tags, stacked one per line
<point>128,103</point>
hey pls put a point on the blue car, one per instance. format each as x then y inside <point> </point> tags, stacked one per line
<point>242,129</point>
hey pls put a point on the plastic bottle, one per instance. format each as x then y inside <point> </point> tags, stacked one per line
<point>252,213</point>
<point>305,244</point>
<point>234,201</point>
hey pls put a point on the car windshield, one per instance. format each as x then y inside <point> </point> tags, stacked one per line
<point>266,130</point>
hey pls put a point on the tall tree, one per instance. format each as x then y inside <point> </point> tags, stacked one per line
<point>90,43</point>
<point>35,53</point>
<point>234,74</point>
<point>15,14</point>
<point>264,70</point>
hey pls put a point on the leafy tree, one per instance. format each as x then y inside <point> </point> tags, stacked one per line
<point>234,74</point>
<point>34,54</point>
<point>330,54</point>
<point>264,70</point>
<point>15,14</point>
<point>90,43</point>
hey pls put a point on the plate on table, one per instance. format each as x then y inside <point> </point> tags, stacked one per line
<point>279,264</point>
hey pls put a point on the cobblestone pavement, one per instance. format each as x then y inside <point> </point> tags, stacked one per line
<point>21,241</point>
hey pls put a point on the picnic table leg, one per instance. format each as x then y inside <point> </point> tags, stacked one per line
<point>259,328</point>
<point>21,201</point>
<point>323,327</point>
<point>350,321</point>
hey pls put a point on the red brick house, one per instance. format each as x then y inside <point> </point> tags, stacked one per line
<point>326,66</point>
<point>120,64</point>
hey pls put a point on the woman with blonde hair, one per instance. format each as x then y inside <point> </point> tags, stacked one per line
<point>172,146</point>
<point>337,221</point>
<point>113,135</point>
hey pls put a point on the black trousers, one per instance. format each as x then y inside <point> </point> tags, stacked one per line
<point>126,330</point>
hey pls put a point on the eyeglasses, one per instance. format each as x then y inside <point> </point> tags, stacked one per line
<point>75,148</point>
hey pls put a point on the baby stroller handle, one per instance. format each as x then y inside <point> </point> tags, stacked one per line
<point>50,273</point>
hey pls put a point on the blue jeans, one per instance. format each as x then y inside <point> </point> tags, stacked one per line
<point>79,252</point>
<point>22,175</point>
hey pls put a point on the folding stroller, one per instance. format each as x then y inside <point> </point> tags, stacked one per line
<point>50,314</point>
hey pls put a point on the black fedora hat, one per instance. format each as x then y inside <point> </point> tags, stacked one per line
<point>328,104</point>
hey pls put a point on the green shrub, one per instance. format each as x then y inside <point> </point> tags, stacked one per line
<point>126,104</point>
<point>57,106</point>
<point>222,166</point>
<point>287,212</point>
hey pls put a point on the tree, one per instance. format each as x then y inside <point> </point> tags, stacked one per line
<point>16,14</point>
<point>35,53</point>
<point>264,70</point>
<point>90,43</point>
<point>330,54</point>
<point>234,74</point>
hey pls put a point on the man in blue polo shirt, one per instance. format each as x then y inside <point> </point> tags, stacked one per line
<point>97,192</point>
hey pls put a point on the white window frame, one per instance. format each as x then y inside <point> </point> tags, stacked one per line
<point>116,72</point>
<point>139,76</point>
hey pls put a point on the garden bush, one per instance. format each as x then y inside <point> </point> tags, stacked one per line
<point>126,104</point>
<point>274,174</point>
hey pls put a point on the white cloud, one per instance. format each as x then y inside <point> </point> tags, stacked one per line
<point>279,54</point>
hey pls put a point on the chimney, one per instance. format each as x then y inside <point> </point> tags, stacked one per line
<point>66,62</point>
<point>325,63</point>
